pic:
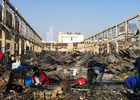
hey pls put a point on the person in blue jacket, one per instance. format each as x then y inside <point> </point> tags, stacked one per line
<point>132,82</point>
<point>137,66</point>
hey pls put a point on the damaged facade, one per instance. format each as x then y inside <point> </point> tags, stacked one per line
<point>16,35</point>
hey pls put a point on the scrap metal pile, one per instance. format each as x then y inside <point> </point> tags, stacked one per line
<point>59,67</point>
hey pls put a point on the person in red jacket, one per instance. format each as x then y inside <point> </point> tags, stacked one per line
<point>39,77</point>
<point>1,57</point>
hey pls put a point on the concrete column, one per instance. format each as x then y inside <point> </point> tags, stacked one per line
<point>12,50</point>
<point>90,47</point>
<point>20,46</point>
<point>3,41</point>
<point>25,30</point>
<point>29,34</point>
<point>20,26</point>
<point>84,43</point>
<point>40,49</point>
<point>94,44</point>
<point>32,47</point>
<point>102,42</point>
<point>102,36</point>
<point>4,11</point>
<point>16,48</point>
<point>108,48</point>
<point>29,46</point>
<point>98,43</point>
<point>126,32</point>
<point>108,41</point>
<point>117,45</point>
<point>94,49</point>
<point>35,48</point>
<point>97,38</point>
<point>14,20</point>
<point>24,46</point>
<point>126,22</point>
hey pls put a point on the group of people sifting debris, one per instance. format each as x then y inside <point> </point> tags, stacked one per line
<point>95,70</point>
<point>132,82</point>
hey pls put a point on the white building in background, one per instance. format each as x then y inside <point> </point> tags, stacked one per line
<point>49,35</point>
<point>70,37</point>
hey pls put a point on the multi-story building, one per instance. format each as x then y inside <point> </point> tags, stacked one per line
<point>70,37</point>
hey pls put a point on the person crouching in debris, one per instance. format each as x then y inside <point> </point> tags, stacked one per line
<point>1,57</point>
<point>99,72</point>
<point>39,77</point>
<point>137,66</point>
<point>132,82</point>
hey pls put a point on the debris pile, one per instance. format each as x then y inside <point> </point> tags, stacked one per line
<point>63,70</point>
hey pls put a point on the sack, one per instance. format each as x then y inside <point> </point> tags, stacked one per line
<point>16,64</point>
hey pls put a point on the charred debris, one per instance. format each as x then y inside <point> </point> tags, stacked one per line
<point>59,67</point>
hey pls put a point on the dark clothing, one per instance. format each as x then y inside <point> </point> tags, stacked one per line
<point>133,82</point>
<point>1,61</point>
<point>90,75</point>
<point>137,65</point>
<point>17,88</point>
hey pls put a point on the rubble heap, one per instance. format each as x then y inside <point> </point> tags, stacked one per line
<point>59,67</point>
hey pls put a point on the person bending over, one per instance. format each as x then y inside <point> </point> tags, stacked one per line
<point>132,82</point>
<point>99,72</point>
<point>39,77</point>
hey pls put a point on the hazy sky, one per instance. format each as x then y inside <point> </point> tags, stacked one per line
<point>85,16</point>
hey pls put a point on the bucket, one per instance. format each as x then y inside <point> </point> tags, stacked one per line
<point>28,81</point>
<point>20,67</point>
<point>81,81</point>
